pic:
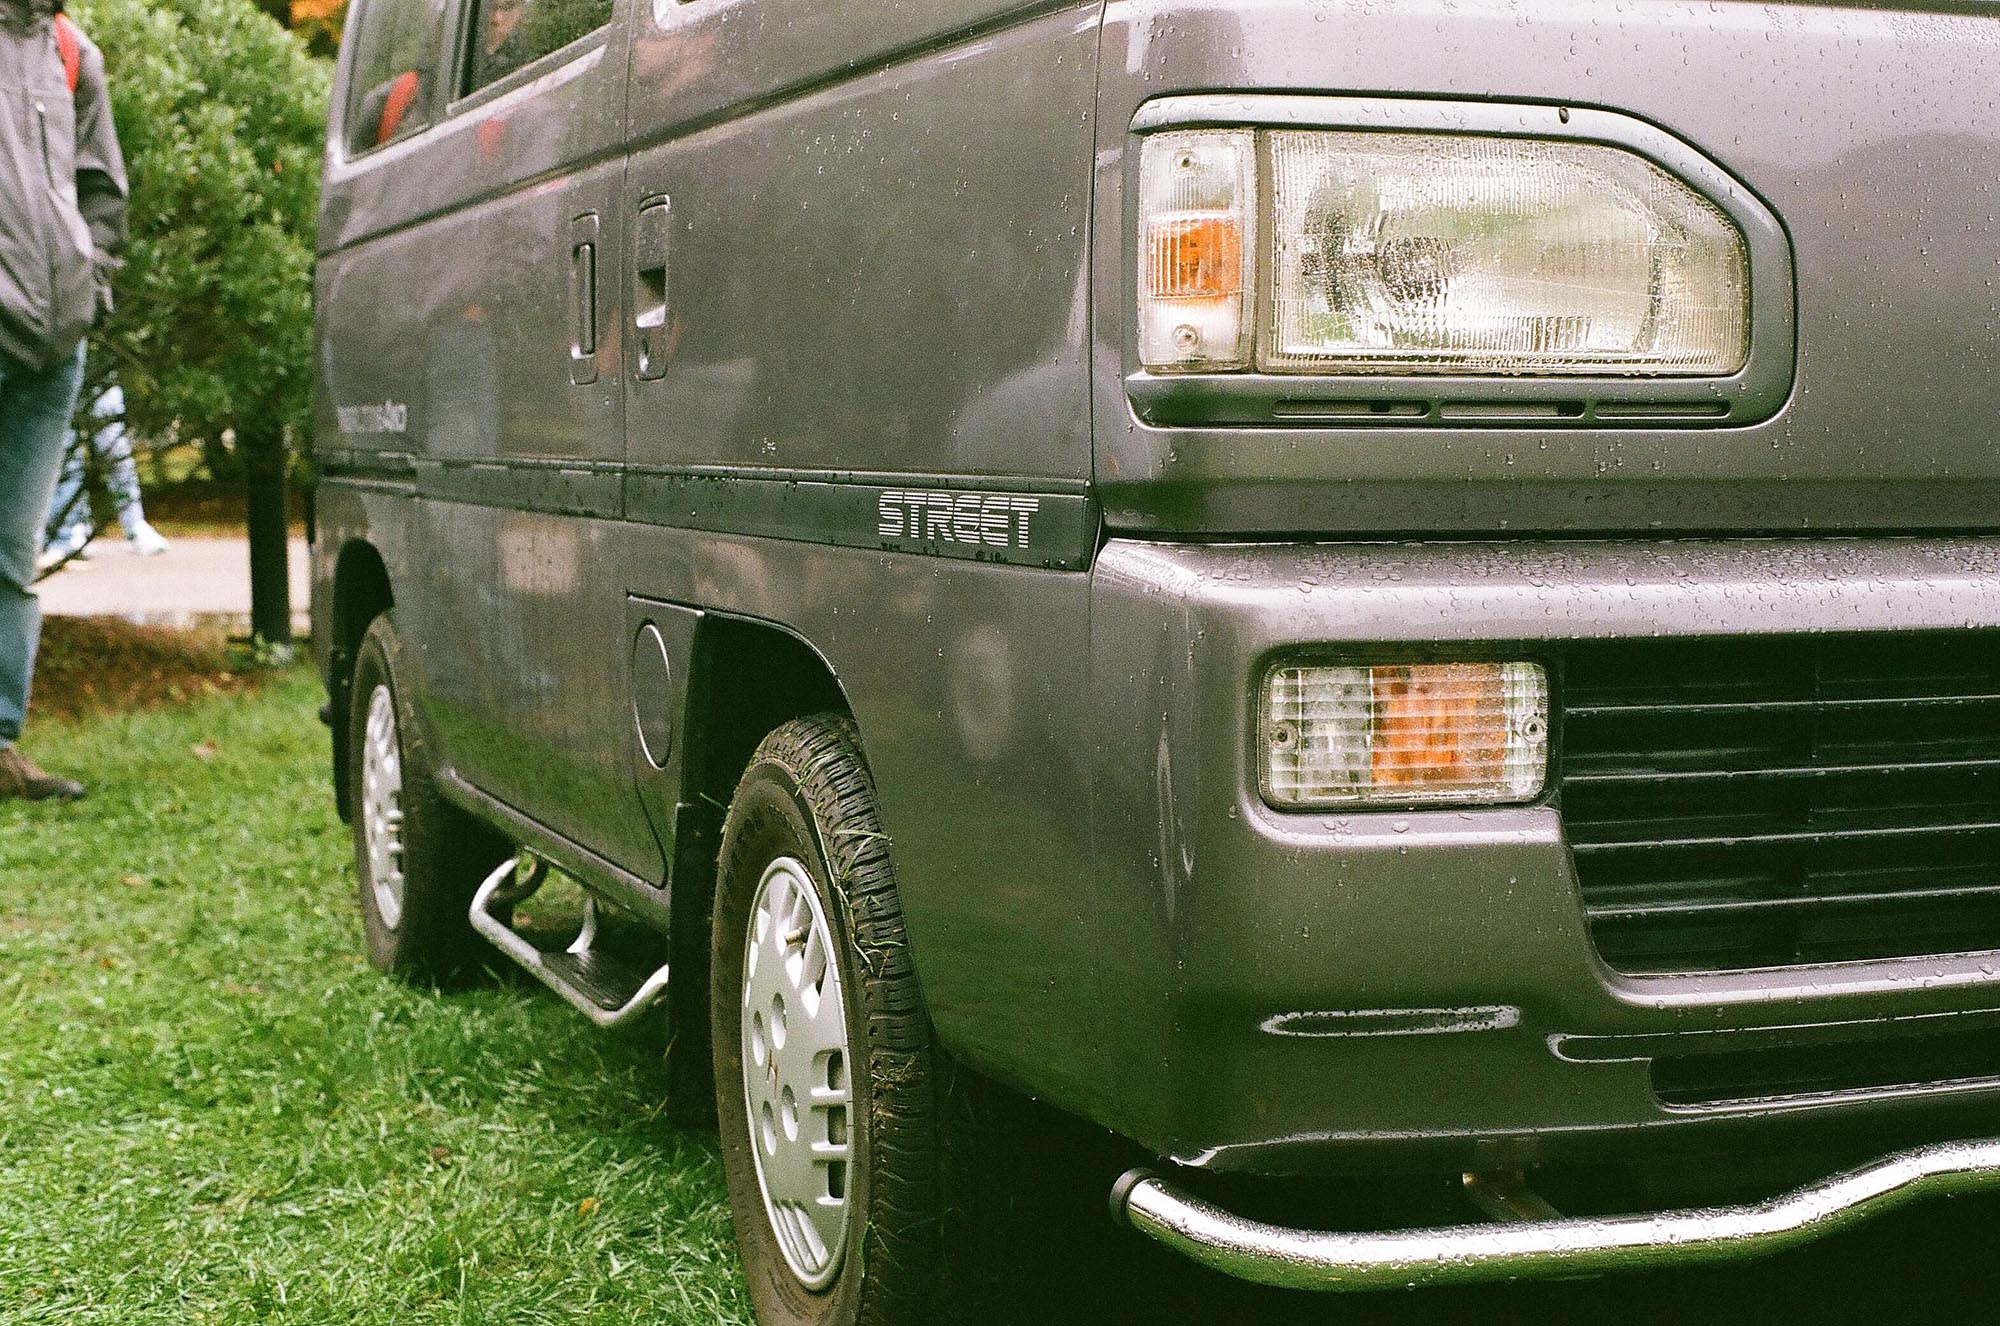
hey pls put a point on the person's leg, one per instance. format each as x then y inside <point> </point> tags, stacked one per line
<point>114,447</point>
<point>69,512</point>
<point>34,425</point>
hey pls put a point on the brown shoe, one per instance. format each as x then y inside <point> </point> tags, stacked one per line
<point>22,778</point>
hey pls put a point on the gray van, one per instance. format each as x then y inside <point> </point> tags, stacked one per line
<point>1324,588</point>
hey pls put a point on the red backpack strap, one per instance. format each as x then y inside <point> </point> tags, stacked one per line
<point>70,48</point>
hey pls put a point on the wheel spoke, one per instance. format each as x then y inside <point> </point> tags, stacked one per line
<point>796,1063</point>
<point>382,806</point>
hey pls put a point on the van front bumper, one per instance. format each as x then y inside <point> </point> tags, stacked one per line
<point>1546,1248</point>
<point>1339,992</point>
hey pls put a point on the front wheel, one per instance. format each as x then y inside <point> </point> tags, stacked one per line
<point>848,1137</point>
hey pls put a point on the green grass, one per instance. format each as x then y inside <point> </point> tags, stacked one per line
<point>213,1110</point>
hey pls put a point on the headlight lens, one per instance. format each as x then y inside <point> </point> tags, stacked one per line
<point>1453,733</point>
<point>1424,252</point>
<point>1398,252</point>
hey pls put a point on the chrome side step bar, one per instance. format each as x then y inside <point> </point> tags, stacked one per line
<point>603,988</point>
<point>1549,1248</point>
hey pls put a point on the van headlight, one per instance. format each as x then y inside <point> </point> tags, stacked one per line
<point>1405,733</point>
<point>1377,252</point>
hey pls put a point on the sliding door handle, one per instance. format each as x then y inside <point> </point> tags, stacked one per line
<point>651,246</point>
<point>583,235</point>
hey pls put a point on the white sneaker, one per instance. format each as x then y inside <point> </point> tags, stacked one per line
<point>145,540</point>
<point>74,544</point>
<point>59,555</point>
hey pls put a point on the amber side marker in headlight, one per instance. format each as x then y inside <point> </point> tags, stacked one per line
<point>1194,279</point>
<point>1439,733</point>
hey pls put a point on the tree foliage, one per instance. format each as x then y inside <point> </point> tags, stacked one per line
<point>222,115</point>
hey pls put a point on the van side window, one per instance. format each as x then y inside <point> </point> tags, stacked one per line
<point>395,70</point>
<point>507,34</point>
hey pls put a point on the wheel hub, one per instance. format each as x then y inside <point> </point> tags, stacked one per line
<point>382,806</point>
<point>796,1063</point>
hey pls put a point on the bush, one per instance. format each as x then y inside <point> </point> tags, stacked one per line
<point>222,115</point>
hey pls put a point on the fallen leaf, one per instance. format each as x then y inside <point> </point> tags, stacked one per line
<point>587,1206</point>
<point>134,881</point>
<point>204,750</point>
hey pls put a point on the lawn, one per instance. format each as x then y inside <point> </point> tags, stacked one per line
<point>213,1110</point>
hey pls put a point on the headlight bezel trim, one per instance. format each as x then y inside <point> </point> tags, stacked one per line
<point>1755,392</point>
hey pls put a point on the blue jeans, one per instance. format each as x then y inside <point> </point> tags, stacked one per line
<point>70,512</point>
<point>35,406</point>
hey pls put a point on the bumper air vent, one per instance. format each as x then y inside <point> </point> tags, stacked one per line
<point>1841,1068</point>
<point>1779,801</point>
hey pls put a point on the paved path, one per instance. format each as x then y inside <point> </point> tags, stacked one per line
<point>194,579</point>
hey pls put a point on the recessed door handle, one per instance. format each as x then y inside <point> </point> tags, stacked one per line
<point>651,246</point>
<point>583,233</point>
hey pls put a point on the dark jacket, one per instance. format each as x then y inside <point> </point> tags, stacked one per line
<point>62,189</point>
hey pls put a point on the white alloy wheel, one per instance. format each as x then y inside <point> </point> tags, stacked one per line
<point>796,1063</point>
<point>382,806</point>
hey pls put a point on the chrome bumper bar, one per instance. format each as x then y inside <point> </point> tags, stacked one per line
<point>1541,1249</point>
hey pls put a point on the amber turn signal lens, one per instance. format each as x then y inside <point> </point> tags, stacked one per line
<point>1194,243</point>
<point>1438,724</point>
<point>1399,733</point>
<point>1194,257</point>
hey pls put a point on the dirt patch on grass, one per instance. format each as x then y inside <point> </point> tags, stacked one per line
<point>99,665</point>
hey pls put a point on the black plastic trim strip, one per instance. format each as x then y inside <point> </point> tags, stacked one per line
<point>364,463</point>
<point>1047,523</point>
<point>559,489</point>
<point>1014,526</point>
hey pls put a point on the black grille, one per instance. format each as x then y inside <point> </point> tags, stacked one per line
<point>1827,1068</point>
<point>1784,800</point>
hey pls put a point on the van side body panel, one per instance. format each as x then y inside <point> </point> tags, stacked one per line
<point>877,284</point>
<point>450,315</point>
<point>884,274</point>
<point>877,293</point>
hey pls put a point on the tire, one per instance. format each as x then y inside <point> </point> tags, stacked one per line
<point>417,925</point>
<point>916,1182</point>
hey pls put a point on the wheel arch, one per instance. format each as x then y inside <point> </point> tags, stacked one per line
<point>361,593</point>
<point>746,677</point>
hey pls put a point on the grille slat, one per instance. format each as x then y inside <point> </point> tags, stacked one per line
<point>1739,707</point>
<point>1783,800</point>
<point>1587,778</point>
<point>1701,907</point>
<point>1786,839</point>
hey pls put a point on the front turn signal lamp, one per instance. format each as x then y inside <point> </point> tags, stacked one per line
<point>1404,733</point>
<point>1195,249</point>
<point>1421,252</point>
